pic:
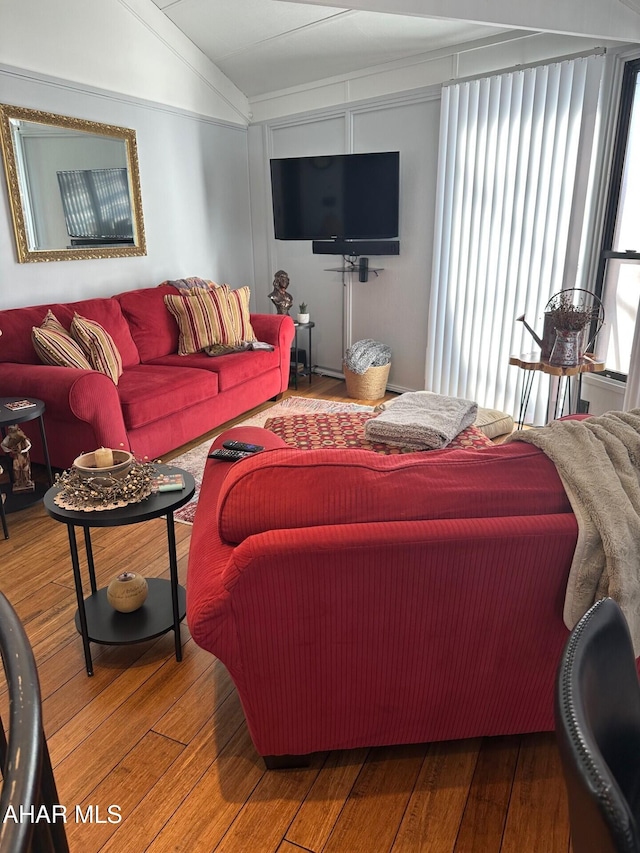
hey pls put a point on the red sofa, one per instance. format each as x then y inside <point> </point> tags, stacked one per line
<point>361,600</point>
<point>162,399</point>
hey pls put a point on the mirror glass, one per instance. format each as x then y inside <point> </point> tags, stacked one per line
<point>74,186</point>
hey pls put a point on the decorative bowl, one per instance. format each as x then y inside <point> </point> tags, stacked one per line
<point>85,465</point>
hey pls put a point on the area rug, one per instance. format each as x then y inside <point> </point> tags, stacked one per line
<point>194,460</point>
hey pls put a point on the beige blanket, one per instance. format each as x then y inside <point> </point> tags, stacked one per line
<point>421,420</point>
<point>598,461</point>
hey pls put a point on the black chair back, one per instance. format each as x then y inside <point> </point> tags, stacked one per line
<point>28,784</point>
<point>597,714</point>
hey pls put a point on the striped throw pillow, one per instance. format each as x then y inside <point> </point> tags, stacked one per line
<point>203,318</point>
<point>55,346</point>
<point>239,307</point>
<point>98,346</point>
<point>51,322</point>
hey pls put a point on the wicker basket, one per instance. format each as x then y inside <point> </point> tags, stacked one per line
<point>369,385</point>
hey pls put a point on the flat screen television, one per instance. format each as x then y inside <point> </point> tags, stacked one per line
<point>337,197</point>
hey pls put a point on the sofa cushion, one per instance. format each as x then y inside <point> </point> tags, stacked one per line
<point>149,393</point>
<point>203,318</point>
<point>282,489</point>
<point>98,346</point>
<point>152,327</point>
<point>55,346</point>
<point>232,369</point>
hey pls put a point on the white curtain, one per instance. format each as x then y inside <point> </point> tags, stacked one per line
<point>511,193</point>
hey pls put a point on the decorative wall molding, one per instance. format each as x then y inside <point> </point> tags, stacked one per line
<point>116,97</point>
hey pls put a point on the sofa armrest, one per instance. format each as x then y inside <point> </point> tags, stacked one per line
<point>348,486</point>
<point>275,329</point>
<point>71,394</point>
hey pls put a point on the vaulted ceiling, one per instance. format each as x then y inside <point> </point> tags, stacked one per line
<point>270,45</point>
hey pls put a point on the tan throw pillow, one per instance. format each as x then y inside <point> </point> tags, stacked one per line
<point>239,307</point>
<point>203,319</point>
<point>55,346</point>
<point>51,322</point>
<point>98,346</point>
<point>493,422</point>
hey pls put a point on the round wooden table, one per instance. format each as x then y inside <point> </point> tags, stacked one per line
<point>531,363</point>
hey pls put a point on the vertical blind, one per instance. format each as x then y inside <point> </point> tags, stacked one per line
<point>96,203</point>
<point>511,193</point>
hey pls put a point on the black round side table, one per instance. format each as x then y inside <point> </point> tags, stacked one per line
<point>9,416</point>
<point>165,606</point>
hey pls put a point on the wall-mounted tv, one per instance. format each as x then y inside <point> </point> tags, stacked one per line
<point>337,197</point>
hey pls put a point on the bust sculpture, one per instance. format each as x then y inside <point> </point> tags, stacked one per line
<point>279,296</point>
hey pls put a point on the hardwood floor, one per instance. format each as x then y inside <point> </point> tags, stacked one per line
<point>166,742</point>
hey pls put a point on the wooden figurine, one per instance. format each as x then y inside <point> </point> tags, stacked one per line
<point>17,445</point>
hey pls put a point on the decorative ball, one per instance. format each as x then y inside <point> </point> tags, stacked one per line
<point>127,592</point>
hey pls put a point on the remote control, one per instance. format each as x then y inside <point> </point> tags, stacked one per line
<point>228,455</point>
<point>241,445</point>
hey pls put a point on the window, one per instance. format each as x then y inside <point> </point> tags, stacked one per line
<point>618,279</point>
<point>509,202</point>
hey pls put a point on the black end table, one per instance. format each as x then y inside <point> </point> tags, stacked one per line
<point>295,348</point>
<point>165,606</point>
<point>16,501</point>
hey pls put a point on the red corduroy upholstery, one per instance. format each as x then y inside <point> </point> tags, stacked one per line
<point>513,479</point>
<point>155,406</point>
<point>375,600</point>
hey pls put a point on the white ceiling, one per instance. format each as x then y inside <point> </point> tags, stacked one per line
<point>269,45</point>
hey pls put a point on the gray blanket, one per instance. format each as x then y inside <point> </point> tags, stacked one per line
<point>598,461</point>
<point>365,354</point>
<point>421,420</point>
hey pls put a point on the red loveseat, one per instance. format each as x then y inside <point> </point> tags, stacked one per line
<point>162,399</point>
<point>362,600</point>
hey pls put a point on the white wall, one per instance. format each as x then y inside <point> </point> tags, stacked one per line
<point>126,46</point>
<point>393,306</point>
<point>122,62</point>
<point>195,197</point>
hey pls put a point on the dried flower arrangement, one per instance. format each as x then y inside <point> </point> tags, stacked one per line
<point>564,314</point>
<point>100,492</point>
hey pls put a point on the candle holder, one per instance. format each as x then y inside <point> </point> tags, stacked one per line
<point>86,466</point>
<point>127,592</point>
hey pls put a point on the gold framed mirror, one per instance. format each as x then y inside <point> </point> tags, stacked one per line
<point>74,187</point>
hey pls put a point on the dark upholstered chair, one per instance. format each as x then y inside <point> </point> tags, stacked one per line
<point>28,785</point>
<point>598,730</point>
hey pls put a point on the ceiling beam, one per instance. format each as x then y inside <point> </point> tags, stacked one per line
<point>615,20</point>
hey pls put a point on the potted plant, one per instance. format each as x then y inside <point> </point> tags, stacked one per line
<point>303,313</point>
<point>570,321</point>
